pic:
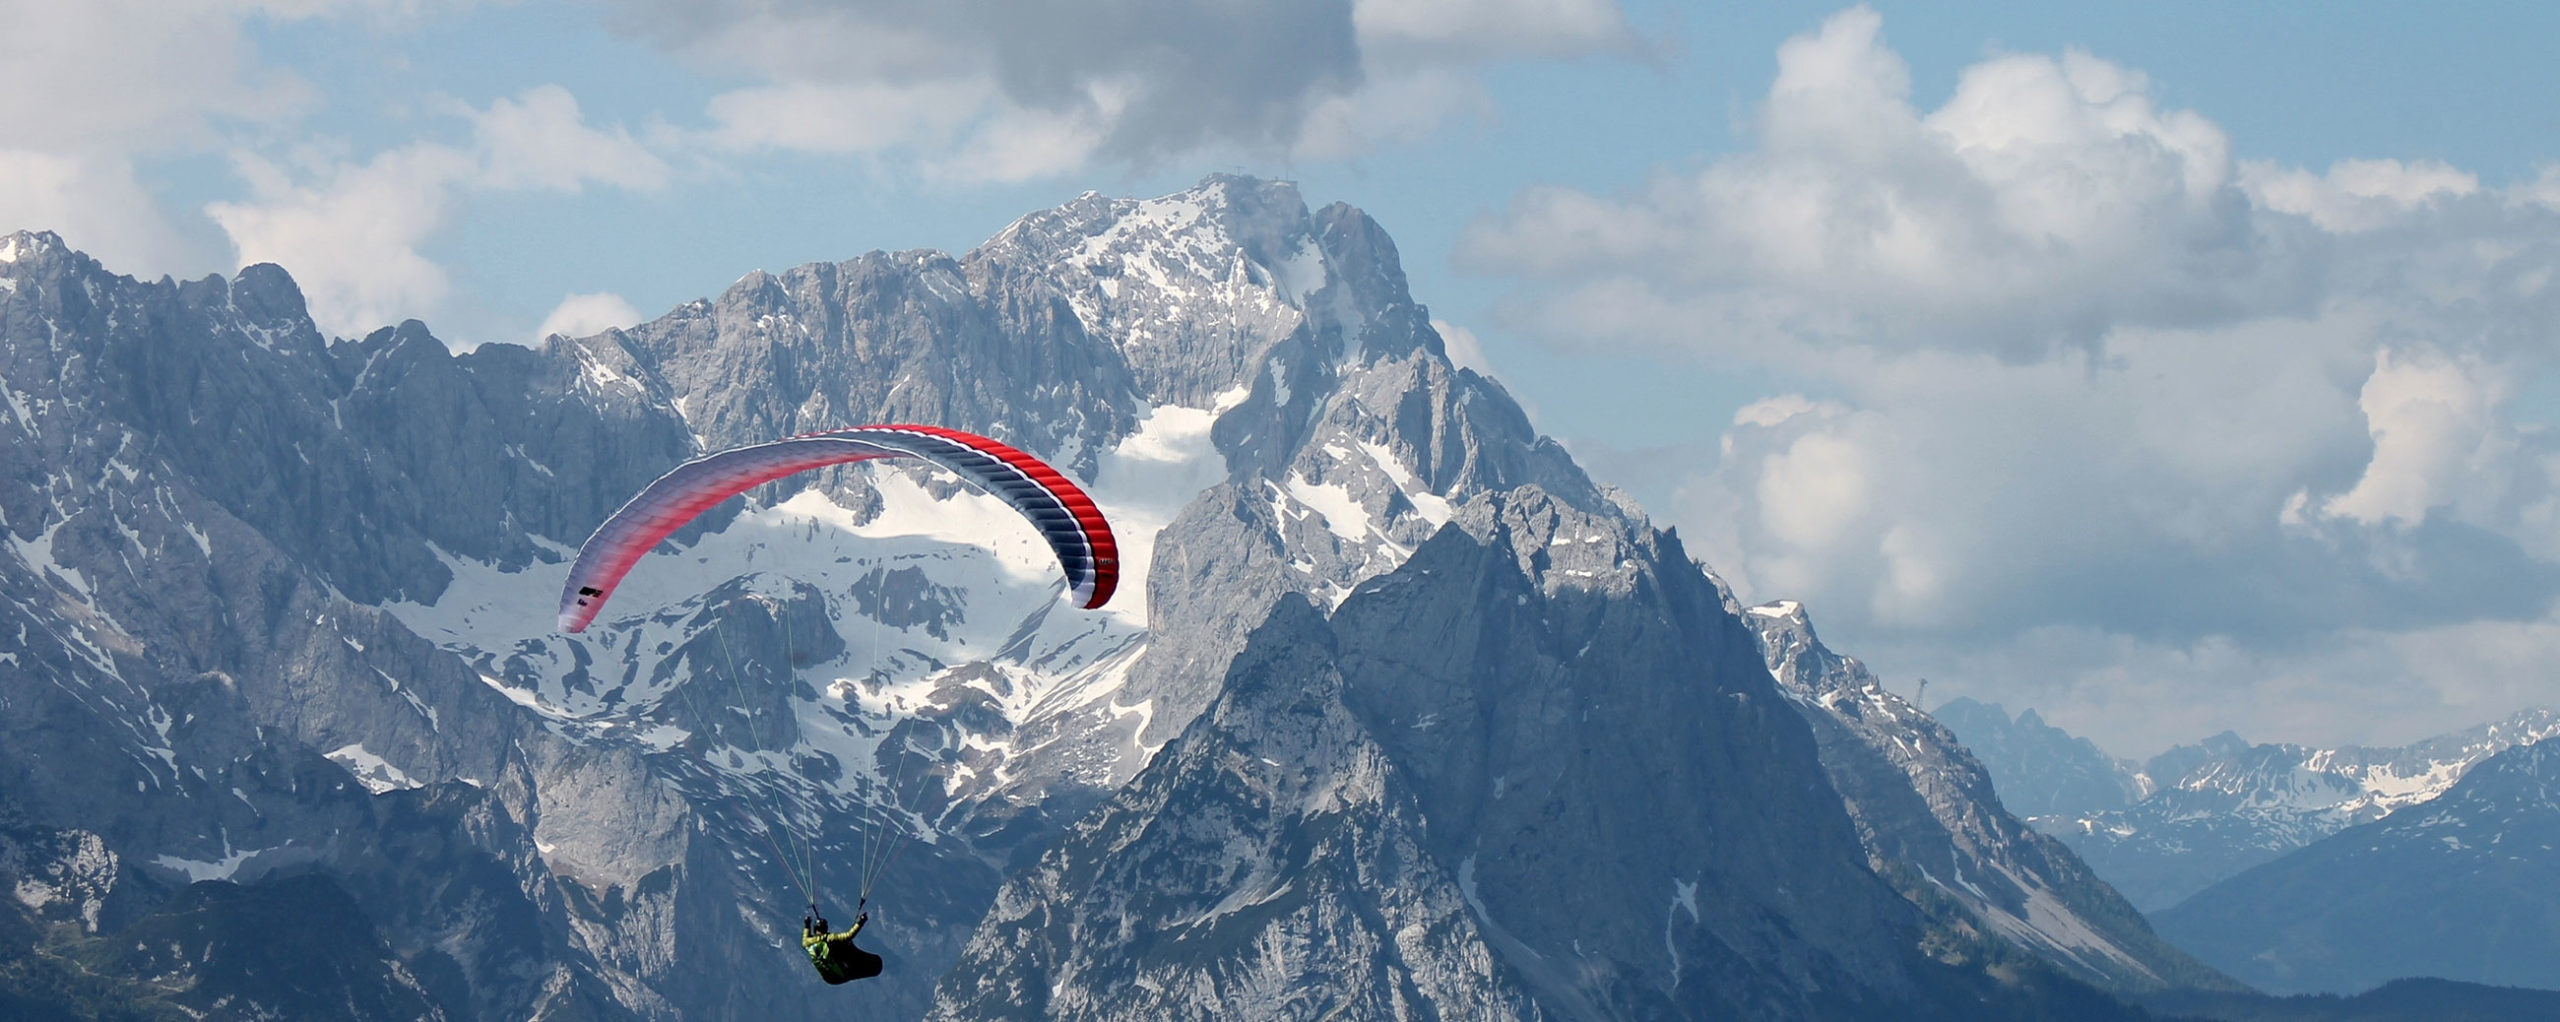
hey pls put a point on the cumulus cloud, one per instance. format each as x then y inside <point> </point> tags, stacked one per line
<point>2144,489</point>
<point>585,315</point>
<point>1403,106</point>
<point>2355,195</point>
<point>2096,397</point>
<point>2543,190</point>
<point>108,81</point>
<point>1017,144</point>
<point>350,237</point>
<point>351,232</point>
<point>2048,198</point>
<point>995,90</point>
<point>95,202</point>
<point>1156,77</point>
<point>2435,432</point>
<point>538,140</point>
<point>119,75</point>
<point>103,86</point>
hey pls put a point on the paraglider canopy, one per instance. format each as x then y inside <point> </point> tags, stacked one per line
<point>1065,516</point>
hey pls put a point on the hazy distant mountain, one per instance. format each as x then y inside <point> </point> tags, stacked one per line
<point>2040,769</point>
<point>2221,806</point>
<point>2466,887</point>
<point>276,639</point>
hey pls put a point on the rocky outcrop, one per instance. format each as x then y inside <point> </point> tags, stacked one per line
<point>1931,822</point>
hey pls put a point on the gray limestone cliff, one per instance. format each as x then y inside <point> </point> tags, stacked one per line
<point>1930,820</point>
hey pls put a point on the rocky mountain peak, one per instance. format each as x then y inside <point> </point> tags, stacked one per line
<point>1498,745</point>
<point>31,248</point>
<point>1201,289</point>
<point>1465,815</point>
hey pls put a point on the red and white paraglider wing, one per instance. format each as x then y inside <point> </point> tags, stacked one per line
<point>1065,516</point>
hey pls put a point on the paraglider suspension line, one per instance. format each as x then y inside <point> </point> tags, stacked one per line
<point>791,864</point>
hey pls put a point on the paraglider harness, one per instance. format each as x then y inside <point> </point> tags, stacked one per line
<point>837,960</point>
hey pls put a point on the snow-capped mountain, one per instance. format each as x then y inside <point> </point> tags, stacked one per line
<point>2224,805</point>
<point>276,636</point>
<point>1931,822</point>
<point>2461,887</point>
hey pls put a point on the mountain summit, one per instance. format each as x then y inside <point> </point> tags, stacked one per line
<point>1399,712</point>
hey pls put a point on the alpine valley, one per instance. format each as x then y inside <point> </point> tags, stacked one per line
<point>1398,713</point>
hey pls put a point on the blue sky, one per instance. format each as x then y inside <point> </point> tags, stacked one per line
<point>2167,366</point>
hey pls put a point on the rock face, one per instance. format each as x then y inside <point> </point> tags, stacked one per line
<point>2462,887</point>
<point>2221,806</point>
<point>276,636</point>
<point>1363,825</point>
<point>192,689</point>
<point>1930,821</point>
<point>1218,886</point>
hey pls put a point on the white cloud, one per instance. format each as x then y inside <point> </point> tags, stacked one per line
<point>2543,190</point>
<point>1403,106</point>
<point>1465,350</point>
<point>119,76</point>
<point>859,117</point>
<point>1016,144</point>
<point>2435,433</point>
<point>351,233</point>
<point>1772,411</point>
<point>351,238</point>
<point>989,90</point>
<point>540,141</point>
<point>104,86</point>
<point>97,84</point>
<point>2047,198</point>
<point>1033,88</point>
<point>585,315</point>
<point>1812,491</point>
<point>2355,195</point>
<point>958,129</point>
<point>2105,409</point>
<point>97,206</point>
<point>1491,29</point>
